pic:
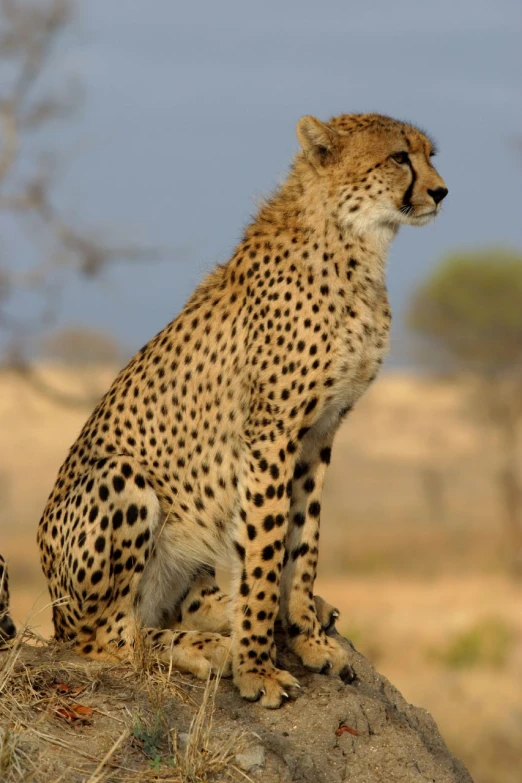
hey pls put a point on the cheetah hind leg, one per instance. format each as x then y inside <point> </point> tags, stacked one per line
<point>206,606</point>
<point>200,654</point>
<point>114,602</point>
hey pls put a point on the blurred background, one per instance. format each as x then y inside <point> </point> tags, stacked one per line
<point>135,140</point>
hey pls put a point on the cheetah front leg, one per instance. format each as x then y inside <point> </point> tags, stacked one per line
<point>260,537</point>
<point>306,618</point>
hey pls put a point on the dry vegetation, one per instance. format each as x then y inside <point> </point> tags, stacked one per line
<point>66,719</point>
<point>69,719</point>
<point>412,554</point>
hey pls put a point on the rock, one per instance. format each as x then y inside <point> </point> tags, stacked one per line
<point>365,732</point>
<point>254,756</point>
<point>183,738</point>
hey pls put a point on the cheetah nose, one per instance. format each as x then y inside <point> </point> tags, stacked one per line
<point>438,194</point>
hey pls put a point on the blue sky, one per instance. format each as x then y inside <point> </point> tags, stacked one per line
<point>190,112</point>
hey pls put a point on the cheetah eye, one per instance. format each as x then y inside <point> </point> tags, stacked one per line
<point>400,157</point>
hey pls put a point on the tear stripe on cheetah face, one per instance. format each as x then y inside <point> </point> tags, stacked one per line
<point>212,445</point>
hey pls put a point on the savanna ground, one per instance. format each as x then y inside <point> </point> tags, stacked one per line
<point>413,553</point>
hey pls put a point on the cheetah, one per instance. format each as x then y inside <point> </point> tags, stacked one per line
<point>212,444</point>
<point>7,627</point>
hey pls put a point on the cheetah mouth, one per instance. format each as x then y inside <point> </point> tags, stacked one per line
<point>423,217</point>
<point>415,214</point>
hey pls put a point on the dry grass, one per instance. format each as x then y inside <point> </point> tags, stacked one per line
<point>202,758</point>
<point>130,724</point>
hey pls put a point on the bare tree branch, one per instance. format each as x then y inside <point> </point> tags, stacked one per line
<point>28,33</point>
<point>9,139</point>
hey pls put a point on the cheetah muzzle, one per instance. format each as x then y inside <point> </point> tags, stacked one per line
<point>212,445</point>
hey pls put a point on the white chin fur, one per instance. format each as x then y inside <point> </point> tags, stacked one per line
<point>381,220</point>
<point>421,220</point>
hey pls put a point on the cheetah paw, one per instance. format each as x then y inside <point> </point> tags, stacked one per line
<point>271,687</point>
<point>326,614</point>
<point>324,655</point>
<point>212,655</point>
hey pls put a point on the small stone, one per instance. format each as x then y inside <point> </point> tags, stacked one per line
<point>183,738</point>
<point>250,758</point>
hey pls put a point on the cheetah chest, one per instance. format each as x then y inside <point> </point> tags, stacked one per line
<point>362,342</point>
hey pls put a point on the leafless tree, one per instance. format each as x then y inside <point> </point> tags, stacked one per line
<point>28,33</point>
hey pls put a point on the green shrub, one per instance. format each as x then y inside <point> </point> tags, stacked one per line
<point>487,643</point>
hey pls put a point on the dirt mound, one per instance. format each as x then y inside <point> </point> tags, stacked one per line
<point>63,718</point>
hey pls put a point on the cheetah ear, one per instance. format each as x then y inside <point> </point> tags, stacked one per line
<point>319,141</point>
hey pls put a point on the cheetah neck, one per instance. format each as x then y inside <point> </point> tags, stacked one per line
<point>297,218</point>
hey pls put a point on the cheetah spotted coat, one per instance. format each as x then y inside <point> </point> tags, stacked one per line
<point>211,446</point>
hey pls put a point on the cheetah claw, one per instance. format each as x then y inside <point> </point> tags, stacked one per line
<point>348,675</point>
<point>326,614</point>
<point>271,687</point>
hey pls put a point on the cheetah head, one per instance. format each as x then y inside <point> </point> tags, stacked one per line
<point>371,171</point>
